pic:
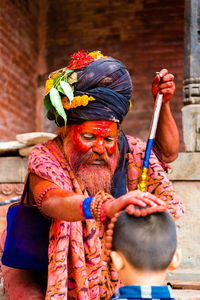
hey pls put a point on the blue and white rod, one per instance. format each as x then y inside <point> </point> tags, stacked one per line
<point>152,133</point>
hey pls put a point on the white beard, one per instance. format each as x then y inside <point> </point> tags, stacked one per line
<point>95,178</point>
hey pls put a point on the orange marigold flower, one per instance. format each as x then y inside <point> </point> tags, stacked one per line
<point>77,101</point>
<point>130,106</point>
<point>48,85</point>
<point>91,98</point>
<point>65,103</point>
<point>84,102</point>
<point>55,74</point>
<point>84,97</point>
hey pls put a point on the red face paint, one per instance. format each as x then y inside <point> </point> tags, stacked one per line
<point>98,136</point>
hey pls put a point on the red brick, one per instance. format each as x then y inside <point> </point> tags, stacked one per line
<point>18,48</point>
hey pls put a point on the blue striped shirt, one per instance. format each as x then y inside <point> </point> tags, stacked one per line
<point>143,292</point>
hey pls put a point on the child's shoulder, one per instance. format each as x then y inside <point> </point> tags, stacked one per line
<point>143,292</point>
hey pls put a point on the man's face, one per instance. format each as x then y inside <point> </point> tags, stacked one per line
<point>91,148</point>
<point>98,136</point>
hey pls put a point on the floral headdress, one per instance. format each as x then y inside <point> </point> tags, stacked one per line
<point>60,85</point>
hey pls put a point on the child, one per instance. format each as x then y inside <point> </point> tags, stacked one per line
<point>143,249</point>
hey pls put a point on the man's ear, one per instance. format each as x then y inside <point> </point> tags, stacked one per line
<point>176,260</point>
<point>117,260</point>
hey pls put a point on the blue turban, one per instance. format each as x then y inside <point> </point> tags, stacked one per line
<point>108,81</point>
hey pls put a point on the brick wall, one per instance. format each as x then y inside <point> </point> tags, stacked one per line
<point>18,66</point>
<point>146,35</point>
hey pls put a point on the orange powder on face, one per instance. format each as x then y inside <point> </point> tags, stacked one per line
<point>101,130</point>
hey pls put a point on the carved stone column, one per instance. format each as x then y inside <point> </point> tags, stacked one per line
<point>191,88</point>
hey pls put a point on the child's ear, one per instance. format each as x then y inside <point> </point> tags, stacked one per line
<point>176,260</point>
<point>117,260</point>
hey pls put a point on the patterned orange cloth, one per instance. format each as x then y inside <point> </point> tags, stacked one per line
<point>77,265</point>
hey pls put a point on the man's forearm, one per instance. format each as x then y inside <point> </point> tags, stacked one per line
<point>53,201</point>
<point>62,205</point>
<point>167,135</point>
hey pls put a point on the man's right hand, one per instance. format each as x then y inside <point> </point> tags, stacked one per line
<point>131,200</point>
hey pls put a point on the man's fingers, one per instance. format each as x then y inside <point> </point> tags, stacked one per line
<point>161,81</point>
<point>154,199</point>
<point>163,72</point>
<point>165,85</point>
<point>131,210</point>
<point>131,201</point>
<point>144,199</point>
<point>141,196</point>
<point>168,77</point>
<point>156,80</point>
<point>168,91</point>
<point>148,201</point>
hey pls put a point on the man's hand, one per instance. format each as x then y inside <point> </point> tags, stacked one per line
<point>164,84</point>
<point>131,200</point>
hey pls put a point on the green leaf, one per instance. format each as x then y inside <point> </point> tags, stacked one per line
<point>56,80</point>
<point>47,103</point>
<point>60,89</point>
<point>67,90</point>
<point>67,72</point>
<point>56,117</point>
<point>57,103</point>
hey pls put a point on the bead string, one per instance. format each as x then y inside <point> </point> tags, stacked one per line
<point>98,206</point>
<point>42,195</point>
<point>94,207</point>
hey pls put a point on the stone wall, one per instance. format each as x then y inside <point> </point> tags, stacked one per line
<point>12,175</point>
<point>186,181</point>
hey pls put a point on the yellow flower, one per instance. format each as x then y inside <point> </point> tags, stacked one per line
<point>84,101</point>
<point>96,55</point>
<point>49,82</point>
<point>48,85</point>
<point>77,101</point>
<point>55,74</point>
<point>84,97</point>
<point>130,105</point>
<point>91,98</point>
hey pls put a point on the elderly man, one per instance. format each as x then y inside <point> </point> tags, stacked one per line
<point>91,171</point>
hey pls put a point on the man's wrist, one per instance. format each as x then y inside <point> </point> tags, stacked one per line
<point>85,208</point>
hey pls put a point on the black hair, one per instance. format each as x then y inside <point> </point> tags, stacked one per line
<point>148,243</point>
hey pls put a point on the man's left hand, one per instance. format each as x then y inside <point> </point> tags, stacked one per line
<point>164,84</point>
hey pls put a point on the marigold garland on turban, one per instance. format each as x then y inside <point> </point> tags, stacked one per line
<point>59,86</point>
<point>91,87</point>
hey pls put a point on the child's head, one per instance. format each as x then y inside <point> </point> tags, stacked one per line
<point>146,243</point>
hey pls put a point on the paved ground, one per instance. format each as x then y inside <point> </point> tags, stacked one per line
<point>178,294</point>
<point>1,292</point>
<point>187,294</point>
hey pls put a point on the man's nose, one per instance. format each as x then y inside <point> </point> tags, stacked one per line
<point>99,146</point>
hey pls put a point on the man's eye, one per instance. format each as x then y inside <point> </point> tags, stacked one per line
<point>88,136</point>
<point>109,139</point>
